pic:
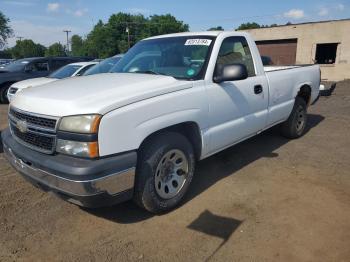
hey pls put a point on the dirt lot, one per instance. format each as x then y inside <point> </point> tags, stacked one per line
<point>267,199</point>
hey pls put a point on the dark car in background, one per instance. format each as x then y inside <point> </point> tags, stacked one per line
<point>5,62</point>
<point>104,66</point>
<point>27,68</point>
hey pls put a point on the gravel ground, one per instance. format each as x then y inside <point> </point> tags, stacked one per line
<point>267,199</point>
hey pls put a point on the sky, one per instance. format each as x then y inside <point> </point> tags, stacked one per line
<point>44,21</point>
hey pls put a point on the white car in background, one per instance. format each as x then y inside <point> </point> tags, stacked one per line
<point>70,70</point>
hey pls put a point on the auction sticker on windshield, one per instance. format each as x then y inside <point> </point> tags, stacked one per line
<point>206,42</point>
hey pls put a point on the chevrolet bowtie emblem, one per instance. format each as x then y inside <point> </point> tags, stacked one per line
<point>22,126</point>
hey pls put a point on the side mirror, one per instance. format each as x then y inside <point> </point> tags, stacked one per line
<point>230,73</point>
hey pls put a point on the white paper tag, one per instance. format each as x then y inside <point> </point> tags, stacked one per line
<point>206,42</point>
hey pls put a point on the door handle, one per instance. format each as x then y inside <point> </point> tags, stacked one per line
<point>258,89</point>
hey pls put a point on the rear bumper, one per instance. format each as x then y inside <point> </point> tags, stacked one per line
<point>90,183</point>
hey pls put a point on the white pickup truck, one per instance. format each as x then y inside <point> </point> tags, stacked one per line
<point>137,133</point>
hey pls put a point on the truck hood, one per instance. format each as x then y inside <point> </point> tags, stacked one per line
<point>95,94</point>
<point>33,82</point>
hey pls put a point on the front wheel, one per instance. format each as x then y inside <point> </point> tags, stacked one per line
<point>164,172</point>
<point>295,125</point>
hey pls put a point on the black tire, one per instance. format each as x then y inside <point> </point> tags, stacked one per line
<point>295,125</point>
<point>151,153</point>
<point>3,94</point>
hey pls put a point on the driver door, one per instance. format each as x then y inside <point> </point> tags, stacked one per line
<point>237,109</point>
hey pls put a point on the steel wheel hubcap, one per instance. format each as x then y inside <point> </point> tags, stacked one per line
<point>171,174</point>
<point>300,118</point>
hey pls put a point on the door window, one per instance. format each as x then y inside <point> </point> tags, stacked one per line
<point>39,66</point>
<point>83,70</point>
<point>235,50</point>
<point>58,63</point>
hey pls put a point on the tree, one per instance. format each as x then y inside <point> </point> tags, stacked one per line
<point>166,24</point>
<point>27,48</point>
<point>77,46</point>
<point>248,25</point>
<point>6,53</point>
<point>122,29</point>
<point>99,42</point>
<point>5,29</point>
<point>217,28</point>
<point>56,49</point>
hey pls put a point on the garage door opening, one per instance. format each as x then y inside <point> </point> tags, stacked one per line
<point>281,52</point>
<point>326,53</point>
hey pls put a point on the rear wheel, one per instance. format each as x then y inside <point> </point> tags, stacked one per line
<point>164,172</point>
<point>295,125</point>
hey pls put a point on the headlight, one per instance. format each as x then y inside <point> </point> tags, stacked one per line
<point>80,124</point>
<point>75,148</point>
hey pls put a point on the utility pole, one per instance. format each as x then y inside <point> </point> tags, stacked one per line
<point>20,38</point>
<point>128,31</point>
<point>67,32</point>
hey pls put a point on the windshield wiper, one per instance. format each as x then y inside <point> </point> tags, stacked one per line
<point>151,72</point>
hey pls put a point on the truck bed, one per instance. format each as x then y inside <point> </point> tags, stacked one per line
<point>277,68</point>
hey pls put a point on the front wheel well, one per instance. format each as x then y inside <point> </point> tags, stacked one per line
<point>189,129</point>
<point>6,84</point>
<point>305,93</point>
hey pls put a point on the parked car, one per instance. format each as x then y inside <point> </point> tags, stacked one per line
<point>31,68</point>
<point>5,62</point>
<point>104,66</point>
<point>137,133</point>
<point>70,70</point>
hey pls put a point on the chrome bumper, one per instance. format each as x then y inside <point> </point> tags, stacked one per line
<point>74,190</point>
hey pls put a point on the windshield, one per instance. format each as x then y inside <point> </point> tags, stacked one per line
<point>103,67</point>
<point>16,66</point>
<point>65,71</point>
<point>179,57</point>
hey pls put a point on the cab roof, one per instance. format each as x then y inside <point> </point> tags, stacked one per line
<point>84,63</point>
<point>203,33</point>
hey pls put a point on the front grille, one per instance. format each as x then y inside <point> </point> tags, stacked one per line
<point>13,90</point>
<point>35,131</point>
<point>34,120</point>
<point>40,142</point>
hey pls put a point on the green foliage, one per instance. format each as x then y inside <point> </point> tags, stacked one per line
<point>27,48</point>
<point>5,29</point>
<point>55,49</point>
<point>166,24</point>
<point>6,54</point>
<point>77,46</point>
<point>217,28</point>
<point>248,25</point>
<point>107,39</point>
<point>111,38</point>
<point>253,25</point>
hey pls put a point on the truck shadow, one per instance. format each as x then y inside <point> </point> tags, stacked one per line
<point>1,146</point>
<point>229,161</point>
<point>212,170</point>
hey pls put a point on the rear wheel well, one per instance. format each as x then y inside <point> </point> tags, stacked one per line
<point>188,129</point>
<point>305,93</point>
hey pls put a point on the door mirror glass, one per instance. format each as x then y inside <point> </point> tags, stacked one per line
<point>231,72</point>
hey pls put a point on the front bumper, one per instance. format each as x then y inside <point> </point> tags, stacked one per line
<point>90,183</point>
